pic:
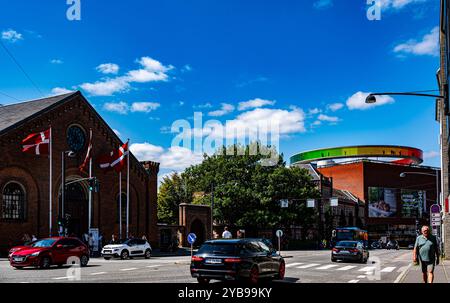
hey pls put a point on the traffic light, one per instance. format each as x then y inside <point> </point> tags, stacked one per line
<point>93,184</point>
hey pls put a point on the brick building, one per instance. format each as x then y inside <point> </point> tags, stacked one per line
<point>392,203</point>
<point>24,178</point>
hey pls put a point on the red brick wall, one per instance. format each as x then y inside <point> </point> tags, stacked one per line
<point>33,173</point>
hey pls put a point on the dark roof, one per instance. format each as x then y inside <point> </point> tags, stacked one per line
<point>13,114</point>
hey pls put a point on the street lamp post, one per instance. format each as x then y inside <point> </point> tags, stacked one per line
<point>63,178</point>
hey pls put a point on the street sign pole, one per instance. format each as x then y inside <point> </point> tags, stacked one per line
<point>279,234</point>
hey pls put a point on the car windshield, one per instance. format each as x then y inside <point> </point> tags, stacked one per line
<point>218,249</point>
<point>43,243</point>
<point>347,244</point>
<point>124,241</point>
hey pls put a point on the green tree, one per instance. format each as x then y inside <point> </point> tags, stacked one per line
<point>172,191</point>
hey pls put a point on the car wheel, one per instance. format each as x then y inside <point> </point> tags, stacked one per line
<point>203,280</point>
<point>84,261</point>
<point>148,254</point>
<point>281,271</point>
<point>107,258</point>
<point>124,255</point>
<point>254,275</point>
<point>45,262</point>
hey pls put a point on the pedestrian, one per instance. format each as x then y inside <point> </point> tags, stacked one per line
<point>26,239</point>
<point>426,250</point>
<point>113,240</point>
<point>91,243</point>
<point>100,241</point>
<point>144,238</point>
<point>85,238</point>
<point>226,233</point>
<point>33,238</point>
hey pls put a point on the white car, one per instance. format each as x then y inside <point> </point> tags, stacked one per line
<point>127,248</point>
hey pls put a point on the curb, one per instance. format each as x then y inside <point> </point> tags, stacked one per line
<point>402,276</point>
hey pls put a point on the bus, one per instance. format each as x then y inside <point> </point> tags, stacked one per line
<point>350,234</point>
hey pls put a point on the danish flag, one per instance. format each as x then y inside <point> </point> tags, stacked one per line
<point>88,154</point>
<point>115,159</point>
<point>37,143</point>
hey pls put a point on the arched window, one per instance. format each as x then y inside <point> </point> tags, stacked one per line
<point>124,209</point>
<point>13,202</point>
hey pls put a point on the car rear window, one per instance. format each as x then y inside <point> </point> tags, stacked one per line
<point>218,249</point>
<point>346,244</point>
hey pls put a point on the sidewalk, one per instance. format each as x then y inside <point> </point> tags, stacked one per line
<point>441,273</point>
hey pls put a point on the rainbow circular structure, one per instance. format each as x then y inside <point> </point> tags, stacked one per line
<point>407,155</point>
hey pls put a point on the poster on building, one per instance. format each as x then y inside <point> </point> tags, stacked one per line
<point>382,202</point>
<point>412,203</point>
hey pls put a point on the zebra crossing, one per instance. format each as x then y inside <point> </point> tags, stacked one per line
<point>339,267</point>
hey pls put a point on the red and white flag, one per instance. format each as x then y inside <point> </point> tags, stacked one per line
<point>118,157</point>
<point>37,143</point>
<point>88,154</point>
<point>115,159</point>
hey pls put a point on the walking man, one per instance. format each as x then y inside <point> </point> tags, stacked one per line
<point>226,233</point>
<point>426,250</point>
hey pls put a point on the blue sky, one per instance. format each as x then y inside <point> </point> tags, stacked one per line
<point>307,64</point>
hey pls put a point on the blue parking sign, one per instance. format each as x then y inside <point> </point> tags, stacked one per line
<point>191,238</point>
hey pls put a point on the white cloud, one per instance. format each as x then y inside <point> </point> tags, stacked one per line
<point>255,103</point>
<point>144,107</point>
<point>431,154</point>
<point>323,4</point>
<point>428,45</point>
<point>358,101</point>
<point>118,107</point>
<point>61,91</point>
<point>11,35</point>
<point>186,68</point>
<point>175,157</point>
<point>108,68</point>
<point>265,121</point>
<point>56,61</point>
<point>397,4</point>
<point>224,110</point>
<point>335,106</point>
<point>151,71</point>
<point>205,105</point>
<point>107,87</point>
<point>316,123</point>
<point>327,118</point>
<point>314,111</point>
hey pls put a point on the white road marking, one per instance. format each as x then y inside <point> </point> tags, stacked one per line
<point>353,281</point>
<point>361,277</point>
<point>308,265</point>
<point>402,275</point>
<point>293,264</point>
<point>151,266</point>
<point>327,266</point>
<point>60,278</point>
<point>128,269</point>
<point>367,268</point>
<point>346,267</point>
<point>388,269</point>
<point>98,273</point>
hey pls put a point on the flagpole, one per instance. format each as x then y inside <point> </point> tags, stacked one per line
<point>50,185</point>
<point>90,195</point>
<point>90,176</point>
<point>128,186</point>
<point>120,205</point>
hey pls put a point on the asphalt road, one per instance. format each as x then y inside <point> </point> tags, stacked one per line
<point>302,267</point>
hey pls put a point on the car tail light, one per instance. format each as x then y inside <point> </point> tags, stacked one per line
<point>197,259</point>
<point>233,260</point>
<point>353,250</point>
<point>335,249</point>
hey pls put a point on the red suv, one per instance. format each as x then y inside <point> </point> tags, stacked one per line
<point>46,252</point>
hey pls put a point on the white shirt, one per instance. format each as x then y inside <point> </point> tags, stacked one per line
<point>227,235</point>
